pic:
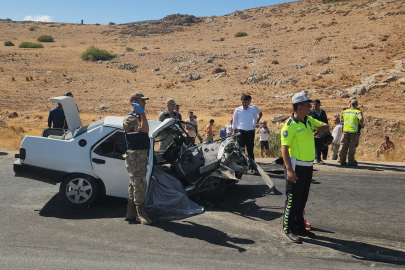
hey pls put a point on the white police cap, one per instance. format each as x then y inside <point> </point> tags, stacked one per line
<point>300,97</point>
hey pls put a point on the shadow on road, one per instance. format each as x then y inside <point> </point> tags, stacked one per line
<point>107,207</point>
<point>371,166</point>
<point>360,251</point>
<point>241,200</point>
<point>205,233</point>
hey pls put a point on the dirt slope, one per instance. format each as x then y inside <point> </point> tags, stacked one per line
<point>286,50</point>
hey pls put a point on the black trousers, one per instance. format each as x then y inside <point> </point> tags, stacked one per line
<point>318,147</point>
<point>297,196</point>
<point>247,140</point>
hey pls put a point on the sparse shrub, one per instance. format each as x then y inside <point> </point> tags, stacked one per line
<point>30,45</point>
<point>241,34</point>
<point>97,24</point>
<point>8,43</point>
<point>245,67</point>
<point>27,78</point>
<point>45,81</point>
<point>274,62</point>
<point>218,70</point>
<point>94,54</point>
<point>32,28</point>
<point>45,38</point>
<point>111,23</point>
<point>129,49</point>
<point>320,38</point>
<point>9,20</point>
<point>1,69</point>
<point>31,78</point>
<point>13,79</point>
<point>322,61</point>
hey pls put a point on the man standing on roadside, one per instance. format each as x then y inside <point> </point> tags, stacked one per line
<point>136,130</point>
<point>166,114</point>
<point>178,112</point>
<point>320,115</point>
<point>244,121</point>
<point>353,120</point>
<point>264,133</point>
<point>190,131</point>
<point>209,132</point>
<point>298,150</point>
<point>337,137</point>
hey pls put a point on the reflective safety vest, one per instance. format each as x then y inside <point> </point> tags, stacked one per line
<point>350,120</point>
<point>136,140</point>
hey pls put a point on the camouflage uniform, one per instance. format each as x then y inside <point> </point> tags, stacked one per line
<point>165,144</point>
<point>136,162</point>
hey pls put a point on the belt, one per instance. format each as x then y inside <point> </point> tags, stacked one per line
<point>304,163</point>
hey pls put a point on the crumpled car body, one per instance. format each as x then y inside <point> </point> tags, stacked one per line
<point>88,161</point>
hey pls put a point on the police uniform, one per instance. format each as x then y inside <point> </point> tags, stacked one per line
<point>351,135</point>
<point>136,158</point>
<point>163,145</point>
<point>299,137</point>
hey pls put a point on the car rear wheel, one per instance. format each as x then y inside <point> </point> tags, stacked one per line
<point>78,191</point>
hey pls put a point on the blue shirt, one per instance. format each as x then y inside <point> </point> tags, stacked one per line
<point>57,116</point>
<point>222,133</point>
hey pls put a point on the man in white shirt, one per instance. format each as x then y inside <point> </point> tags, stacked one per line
<point>256,109</point>
<point>228,128</point>
<point>264,132</point>
<point>337,137</point>
<point>244,121</point>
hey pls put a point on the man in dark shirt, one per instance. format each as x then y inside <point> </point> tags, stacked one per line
<point>57,117</point>
<point>318,114</point>
<point>178,114</point>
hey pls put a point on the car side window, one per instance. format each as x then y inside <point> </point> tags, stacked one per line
<point>113,147</point>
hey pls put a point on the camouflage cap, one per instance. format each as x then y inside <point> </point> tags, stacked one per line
<point>170,101</point>
<point>138,96</point>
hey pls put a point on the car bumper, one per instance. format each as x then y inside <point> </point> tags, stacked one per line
<point>38,173</point>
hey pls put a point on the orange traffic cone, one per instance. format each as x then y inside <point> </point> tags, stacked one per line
<point>306,223</point>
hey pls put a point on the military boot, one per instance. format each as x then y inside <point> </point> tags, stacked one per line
<point>142,216</point>
<point>131,211</point>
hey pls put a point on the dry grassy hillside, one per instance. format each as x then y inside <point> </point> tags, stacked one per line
<point>330,50</point>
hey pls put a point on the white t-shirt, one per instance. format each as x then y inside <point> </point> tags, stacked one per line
<point>191,132</point>
<point>264,134</point>
<point>244,119</point>
<point>229,129</point>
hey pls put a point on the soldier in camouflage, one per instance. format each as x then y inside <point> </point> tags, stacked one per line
<point>136,130</point>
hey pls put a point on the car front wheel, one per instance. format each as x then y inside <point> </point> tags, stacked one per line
<point>78,191</point>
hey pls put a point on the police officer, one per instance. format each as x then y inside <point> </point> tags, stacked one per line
<point>136,130</point>
<point>166,114</point>
<point>298,150</point>
<point>353,120</point>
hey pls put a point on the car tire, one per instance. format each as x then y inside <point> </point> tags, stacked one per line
<point>215,192</point>
<point>78,191</point>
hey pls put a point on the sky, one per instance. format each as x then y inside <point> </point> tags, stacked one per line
<point>119,11</point>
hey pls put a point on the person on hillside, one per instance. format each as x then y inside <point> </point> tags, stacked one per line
<point>190,131</point>
<point>229,129</point>
<point>136,130</point>
<point>352,119</point>
<point>337,137</point>
<point>57,118</point>
<point>264,133</point>
<point>166,114</point>
<point>319,114</point>
<point>385,146</point>
<point>208,132</point>
<point>298,151</point>
<point>178,112</point>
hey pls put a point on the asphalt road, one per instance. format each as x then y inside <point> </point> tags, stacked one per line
<point>359,222</point>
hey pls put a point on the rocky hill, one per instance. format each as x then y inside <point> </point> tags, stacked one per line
<point>330,50</point>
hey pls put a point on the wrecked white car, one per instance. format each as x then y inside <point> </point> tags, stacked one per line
<point>88,161</point>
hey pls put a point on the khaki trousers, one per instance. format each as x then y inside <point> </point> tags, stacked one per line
<point>348,146</point>
<point>334,148</point>
<point>136,162</point>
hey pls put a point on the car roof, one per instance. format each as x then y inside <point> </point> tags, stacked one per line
<point>117,122</point>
